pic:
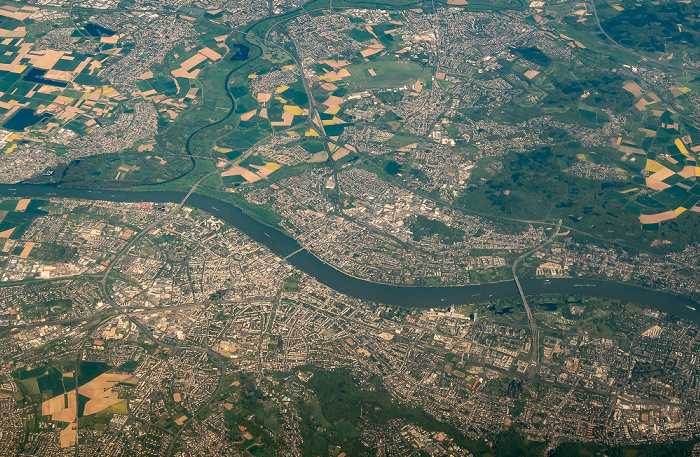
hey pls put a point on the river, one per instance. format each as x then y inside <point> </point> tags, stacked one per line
<point>283,245</point>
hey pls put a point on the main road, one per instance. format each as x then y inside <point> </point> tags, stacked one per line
<point>535,357</point>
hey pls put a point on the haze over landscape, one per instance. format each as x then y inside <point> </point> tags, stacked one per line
<point>348,228</point>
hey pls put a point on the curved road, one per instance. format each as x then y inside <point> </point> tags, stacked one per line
<point>535,356</point>
<point>625,48</point>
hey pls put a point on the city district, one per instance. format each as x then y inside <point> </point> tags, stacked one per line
<point>344,228</point>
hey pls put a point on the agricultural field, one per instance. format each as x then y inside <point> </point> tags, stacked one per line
<point>81,109</point>
<point>387,74</point>
<point>481,149</point>
<point>16,215</point>
<point>66,398</point>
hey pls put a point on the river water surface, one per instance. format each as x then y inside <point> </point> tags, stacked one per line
<point>283,245</point>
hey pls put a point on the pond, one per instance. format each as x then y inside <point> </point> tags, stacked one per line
<point>240,52</point>
<point>393,168</point>
<point>97,30</point>
<point>549,306</point>
<point>505,310</point>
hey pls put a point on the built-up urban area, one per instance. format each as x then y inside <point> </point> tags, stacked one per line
<point>193,338</point>
<point>318,228</point>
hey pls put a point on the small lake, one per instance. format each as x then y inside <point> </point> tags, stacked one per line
<point>35,75</point>
<point>548,306</point>
<point>240,52</point>
<point>393,168</point>
<point>97,30</point>
<point>25,117</point>
<point>506,310</point>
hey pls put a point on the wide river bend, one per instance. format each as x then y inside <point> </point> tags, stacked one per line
<point>283,245</point>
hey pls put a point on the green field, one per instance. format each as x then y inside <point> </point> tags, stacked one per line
<point>390,74</point>
<point>90,370</point>
<point>19,221</point>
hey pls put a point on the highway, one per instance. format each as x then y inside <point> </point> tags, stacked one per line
<point>535,356</point>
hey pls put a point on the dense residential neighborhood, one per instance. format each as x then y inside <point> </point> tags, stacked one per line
<point>344,228</point>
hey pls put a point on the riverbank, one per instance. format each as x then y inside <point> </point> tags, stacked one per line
<point>412,296</point>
